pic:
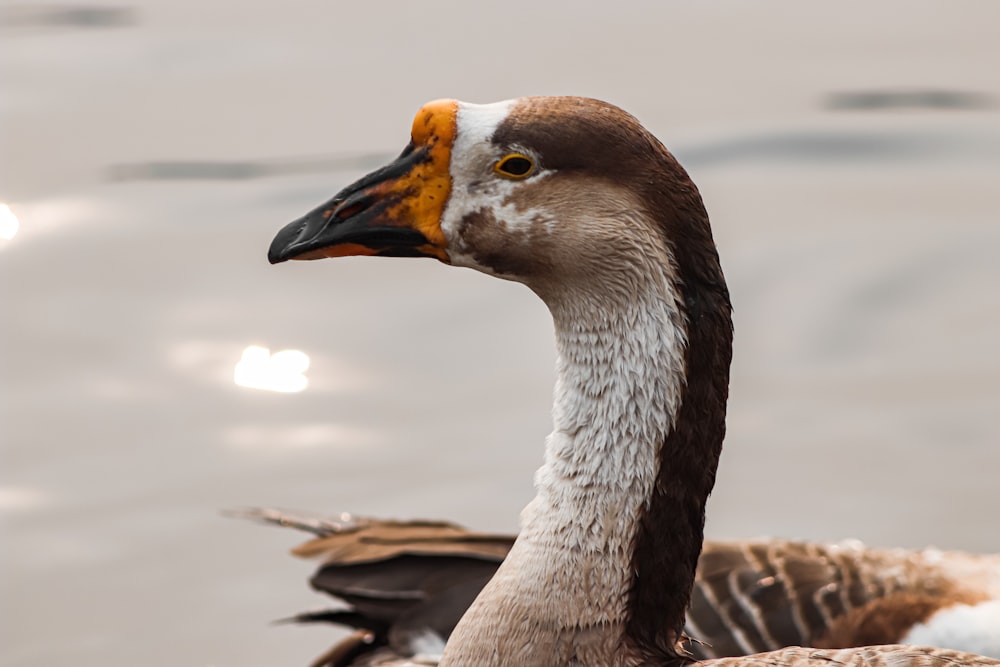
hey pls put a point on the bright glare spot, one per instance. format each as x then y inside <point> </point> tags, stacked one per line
<point>282,371</point>
<point>8,222</point>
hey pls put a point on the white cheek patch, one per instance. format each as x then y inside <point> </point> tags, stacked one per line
<point>474,185</point>
<point>471,157</point>
<point>472,152</point>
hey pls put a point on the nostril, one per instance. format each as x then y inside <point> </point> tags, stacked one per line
<point>348,211</point>
<point>352,206</point>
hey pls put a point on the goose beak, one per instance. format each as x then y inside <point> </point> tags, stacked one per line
<point>393,212</point>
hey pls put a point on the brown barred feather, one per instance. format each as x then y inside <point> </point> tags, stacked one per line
<point>868,656</point>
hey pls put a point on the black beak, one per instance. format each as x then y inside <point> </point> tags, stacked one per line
<point>376,215</point>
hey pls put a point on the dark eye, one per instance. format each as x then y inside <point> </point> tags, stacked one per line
<point>515,165</point>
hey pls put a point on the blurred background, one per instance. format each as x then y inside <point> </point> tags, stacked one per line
<point>848,153</point>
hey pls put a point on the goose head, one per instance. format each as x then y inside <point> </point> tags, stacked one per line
<point>575,199</point>
<point>548,191</point>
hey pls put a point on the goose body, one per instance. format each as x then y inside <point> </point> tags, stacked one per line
<point>407,583</point>
<point>575,199</point>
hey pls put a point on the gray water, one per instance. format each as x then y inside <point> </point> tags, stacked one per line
<point>849,156</point>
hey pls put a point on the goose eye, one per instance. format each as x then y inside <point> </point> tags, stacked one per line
<point>515,165</point>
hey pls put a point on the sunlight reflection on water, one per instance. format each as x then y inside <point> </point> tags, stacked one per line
<point>282,371</point>
<point>8,223</point>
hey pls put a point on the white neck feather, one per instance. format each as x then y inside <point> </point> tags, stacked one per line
<point>561,595</point>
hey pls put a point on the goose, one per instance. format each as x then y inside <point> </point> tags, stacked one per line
<point>575,199</point>
<point>407,583</point>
